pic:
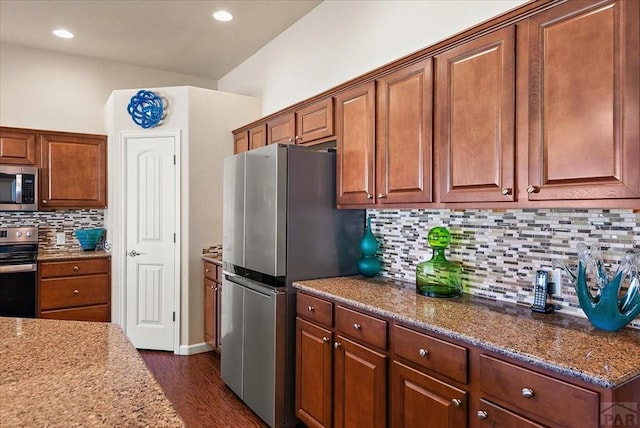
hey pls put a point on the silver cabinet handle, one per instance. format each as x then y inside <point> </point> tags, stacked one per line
<point>44,201</point>
<point>133,253</point>
<point>456,402</point>
<point>527,393</point>
<point>310,308</point>
<point>357,326</point>
<point>298,138</point>
<point>326,339</point>
<point>506,191</point>
<point>207,270</point>
<point>76,268</point>
<point>76,291</point>
<point>337,345</point>
<point>423,352</point>
<point>533,189</point>
<point>381,195</point>
<point>482,414</point>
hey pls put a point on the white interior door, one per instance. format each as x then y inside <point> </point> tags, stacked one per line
<point>150,234</point>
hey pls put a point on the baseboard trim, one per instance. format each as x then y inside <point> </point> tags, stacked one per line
<point>196,348</point>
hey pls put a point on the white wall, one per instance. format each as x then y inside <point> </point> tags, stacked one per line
<point>340,40</point>
<point>205,119</point>
<point>48,90</point>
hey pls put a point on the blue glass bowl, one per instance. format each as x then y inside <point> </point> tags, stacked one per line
<point>89,238</point>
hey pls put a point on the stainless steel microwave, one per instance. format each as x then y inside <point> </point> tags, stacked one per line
<point>18,188</point>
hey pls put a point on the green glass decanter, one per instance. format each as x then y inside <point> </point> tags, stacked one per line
<point>439,277</point>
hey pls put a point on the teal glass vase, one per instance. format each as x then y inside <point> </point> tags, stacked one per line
<point>368,265</point>
<point>439,277</point>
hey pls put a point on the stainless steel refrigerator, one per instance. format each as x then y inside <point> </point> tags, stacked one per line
<point>280,225</point>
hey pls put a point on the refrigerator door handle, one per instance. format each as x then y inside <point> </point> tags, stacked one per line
<point>253,285</point>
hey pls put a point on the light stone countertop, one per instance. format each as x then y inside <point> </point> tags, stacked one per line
<point>561,343</point>
<point>71,373</point>
<point>54,255</point>
<point>212,258</point>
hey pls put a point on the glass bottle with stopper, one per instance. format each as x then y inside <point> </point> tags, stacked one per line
<point>439,277</point>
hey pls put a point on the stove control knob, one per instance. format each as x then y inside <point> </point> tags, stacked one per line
<point>29,234</point>
<point>18,234</point>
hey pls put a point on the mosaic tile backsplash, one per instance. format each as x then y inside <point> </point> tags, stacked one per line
<point>51,222</point>
<point>501,250</point>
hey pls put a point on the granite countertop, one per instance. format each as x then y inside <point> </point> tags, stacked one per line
<point>213,258</point>
<point>558,342</point>
<point>74,373</point>
<point>53,255</point>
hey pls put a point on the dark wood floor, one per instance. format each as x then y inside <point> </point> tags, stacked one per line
<point>193,385</point>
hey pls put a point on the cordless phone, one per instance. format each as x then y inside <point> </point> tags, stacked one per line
<point>540,293</point>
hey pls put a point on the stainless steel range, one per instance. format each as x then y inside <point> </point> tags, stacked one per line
<point>18,254</point>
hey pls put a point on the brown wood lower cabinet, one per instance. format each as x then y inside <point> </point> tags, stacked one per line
<point>355,368</point>
<point>75,289</point>
<point>419,400</point>
<point>212,281</point>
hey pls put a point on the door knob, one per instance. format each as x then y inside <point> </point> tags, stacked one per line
<point>133,253</point>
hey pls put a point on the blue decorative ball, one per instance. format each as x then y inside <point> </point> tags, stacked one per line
<point>146,109</point>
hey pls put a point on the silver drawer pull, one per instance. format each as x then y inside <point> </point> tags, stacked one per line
<point>76,268</point>
<point>456,402</point>
<point>357,326</point>
<point>76,291</point>
<point>527,393</point>
<point>326,339</point>
<point>423,352</point>
<point>310,308</point>
<point>482,414</point>
<point>207,270</point>
<point>337,345</point>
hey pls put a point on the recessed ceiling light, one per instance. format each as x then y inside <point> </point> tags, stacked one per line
<point>62,33</point>
<point>222,15</point>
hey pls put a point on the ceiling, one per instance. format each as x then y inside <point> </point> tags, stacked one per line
<point>172,35</point>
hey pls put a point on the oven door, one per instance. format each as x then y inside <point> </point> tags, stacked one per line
<point>18,290</point>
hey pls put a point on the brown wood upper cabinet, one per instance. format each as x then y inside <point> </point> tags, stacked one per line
<point>582,95</point>
<point>386,157</point>
<point>241,142</point>
<point>281,129</point>
<point>304,126</point>
<point>17,147</point>
<point>475,114</point>
<point>73,171</point>
<point>355,133</point>
<point>258,136</point>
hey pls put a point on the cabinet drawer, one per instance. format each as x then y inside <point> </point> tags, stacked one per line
<point>491,415</point>
<point>91,313</point>
<point>61,293</point>
<point>315,309</point>
<point>538,396</point>
<point>74,267</point>
<point>210,271</point>
<point>370,330</point>
<point>442,357</point>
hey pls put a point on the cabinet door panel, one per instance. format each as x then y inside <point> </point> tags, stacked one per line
<point>314,122</point>
<point>241,142</point>
<point>280,129</point>
<point>73,171</point>
<point>314,374</point>
<point>355,111</point>
<point>583,101</point>
<point>209,312</point>
<point>475,133</point>
<point>17,147</point>
<point>404,137</point>
<point>258,136</point>
<point>418,400</point>
<point>360,386</point>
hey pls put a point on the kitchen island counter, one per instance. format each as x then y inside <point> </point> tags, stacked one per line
<point>73,373</point>
<point>557,342</point>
